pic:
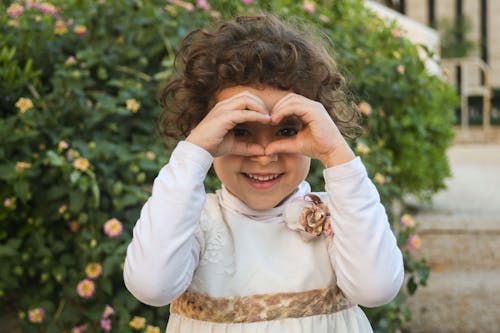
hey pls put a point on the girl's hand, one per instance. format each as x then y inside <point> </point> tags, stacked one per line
<point>318,138</point>
<point>213,133</point>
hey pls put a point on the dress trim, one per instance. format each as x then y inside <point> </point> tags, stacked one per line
<point>255,308</point>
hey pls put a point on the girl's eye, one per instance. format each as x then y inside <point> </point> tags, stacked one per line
<point>240,132</point>
<point>288,132</point>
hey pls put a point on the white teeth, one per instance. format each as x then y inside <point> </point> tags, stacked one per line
<point>262,178</point>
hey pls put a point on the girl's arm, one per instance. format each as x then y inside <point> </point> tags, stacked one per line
<point>364,251</point>
<point>163,253</point>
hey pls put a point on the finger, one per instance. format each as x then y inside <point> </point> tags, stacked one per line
<point>291,107</point>
<point>284,146</point>
<point>283,100</point>
<point>247,149</point>
<point>243,101</point>
<point>245,116</point>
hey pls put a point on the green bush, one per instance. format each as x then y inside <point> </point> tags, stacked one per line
<point>80,145</point>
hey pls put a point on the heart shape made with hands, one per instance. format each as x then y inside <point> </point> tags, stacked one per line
<point>263,133</point>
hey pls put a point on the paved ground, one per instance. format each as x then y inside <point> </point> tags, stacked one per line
<point>474,190</point>
<point>460,233</point>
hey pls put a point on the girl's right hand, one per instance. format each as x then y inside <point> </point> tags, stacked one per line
<point>214,133</point>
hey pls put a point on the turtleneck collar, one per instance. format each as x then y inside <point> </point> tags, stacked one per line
<point>274,215</point>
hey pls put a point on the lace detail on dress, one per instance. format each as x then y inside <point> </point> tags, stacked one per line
<point>216,243</point>
<point>254,308</point>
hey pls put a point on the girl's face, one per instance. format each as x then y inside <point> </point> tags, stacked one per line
<point>262,182</point>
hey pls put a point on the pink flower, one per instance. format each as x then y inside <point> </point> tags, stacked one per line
<point>113,228</point>
<point>396,33</point>
<point>106,324</point>
<point>36,315</point>
<point>203,4</point>
<point>15,10</point>
<point>400,69</point>
<point>70,61</point>
<point>47,8</point>
<point>79,329</point>
<point>85,288</point>
<point>309,6</point>
<point>414,242</point>
<point>215,14</point>
<point>108,311</point>
<point>247,2</point>
<point>186,5</point>
<point>407,221</point>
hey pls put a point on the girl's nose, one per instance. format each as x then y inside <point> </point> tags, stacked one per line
<point>264,159</point>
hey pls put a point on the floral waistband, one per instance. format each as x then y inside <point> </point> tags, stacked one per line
<point>254,308</point>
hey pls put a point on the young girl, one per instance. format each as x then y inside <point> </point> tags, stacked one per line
<point>258,99</point>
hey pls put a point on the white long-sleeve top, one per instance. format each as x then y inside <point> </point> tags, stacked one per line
<point>167,244</point>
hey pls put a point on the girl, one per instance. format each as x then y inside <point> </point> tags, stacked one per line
<point>258,99</point>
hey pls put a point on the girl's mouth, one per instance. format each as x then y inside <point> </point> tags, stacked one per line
<point>262,181</point>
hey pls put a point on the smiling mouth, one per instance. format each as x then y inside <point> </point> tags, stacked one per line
<point>261,178</point>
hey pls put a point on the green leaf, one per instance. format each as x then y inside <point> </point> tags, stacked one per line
<point>76,201</point>
<point>22,190</point>
<point>54,158</point>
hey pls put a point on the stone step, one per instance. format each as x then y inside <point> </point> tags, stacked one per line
<point>457,302</point>
<point>459,241</point>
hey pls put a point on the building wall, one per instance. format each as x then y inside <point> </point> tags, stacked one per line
<point>418,10</point>
<point>494,41</point>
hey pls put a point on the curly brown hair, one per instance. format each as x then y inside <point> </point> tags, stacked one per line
<point>255,51</point>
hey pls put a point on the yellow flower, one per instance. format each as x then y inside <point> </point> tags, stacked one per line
<point>36,315</point>
<point>133,105</point>
<point>150,155</point>
<point>21,166</point>
<point>323,18</point>
<point>137,322</point>
<point>93,270</point>
<point>81,163</point>
<point>365,108</point>
<point>60,27</point>
<point>74,225</point>
<point>379,178</point>
<point>62,209</point>
<point>13,23</point>
<point>362,148</point>
<point>80,30</point>
<point>152,329</point>
<point>24,104</point>
<point>62,145</point>
<point>171,10</point>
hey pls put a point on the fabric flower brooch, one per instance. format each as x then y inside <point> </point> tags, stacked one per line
<point>309,216</point>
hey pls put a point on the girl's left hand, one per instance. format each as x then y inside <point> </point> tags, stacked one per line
<point>318,138</point>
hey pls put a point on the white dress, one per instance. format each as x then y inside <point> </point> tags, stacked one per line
<point>210,254</point>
